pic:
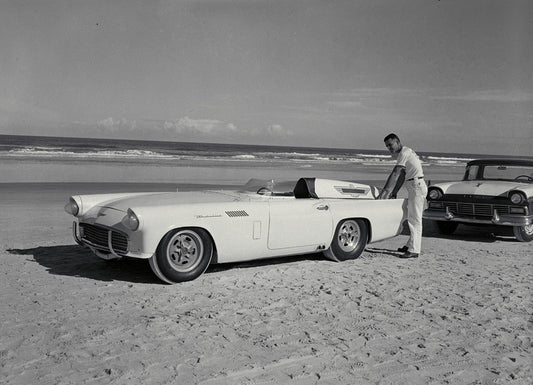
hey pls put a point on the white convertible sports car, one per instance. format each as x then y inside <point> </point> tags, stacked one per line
<point>181,233</point>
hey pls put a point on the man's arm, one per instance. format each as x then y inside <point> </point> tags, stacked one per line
<point>393,184</point>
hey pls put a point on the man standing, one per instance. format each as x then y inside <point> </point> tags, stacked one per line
<point>407,167</point>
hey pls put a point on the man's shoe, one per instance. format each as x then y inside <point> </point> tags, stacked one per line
<point>409,255</point>
<point>403,249</point>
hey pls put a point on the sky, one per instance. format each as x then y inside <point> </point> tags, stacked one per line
<point>446,76</point>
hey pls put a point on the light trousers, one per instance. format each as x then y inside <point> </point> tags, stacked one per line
<point>416,200</point>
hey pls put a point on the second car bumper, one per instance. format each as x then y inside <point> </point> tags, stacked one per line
<point>496,219</point>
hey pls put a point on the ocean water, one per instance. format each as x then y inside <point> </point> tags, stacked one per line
<point>15,146</point>
<point>63,159</point>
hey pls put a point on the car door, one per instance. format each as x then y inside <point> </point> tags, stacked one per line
<point>299,222</point>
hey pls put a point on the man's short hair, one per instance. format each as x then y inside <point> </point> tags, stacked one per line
<point>391,136</point>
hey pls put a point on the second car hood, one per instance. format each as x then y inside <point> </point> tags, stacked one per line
<point>480,187</point>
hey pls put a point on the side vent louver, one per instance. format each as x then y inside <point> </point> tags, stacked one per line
<point>237,213</point>
<point>353,191</point>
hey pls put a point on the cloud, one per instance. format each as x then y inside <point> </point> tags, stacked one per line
<point>504,96</point>
<point>364,93</point>
<point>348,104</point>
<point>275,129</point>
<point>115,125</point>
<point>231,127</point>
<point>272,131</point>
<point>185,128</point>
<point>356,102</point>
<point>215,127</point>
<point>203,126</point>
<point>360,97</point>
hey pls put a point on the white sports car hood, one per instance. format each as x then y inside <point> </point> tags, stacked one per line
<point>171,198</point>
<point>122,202</point>
<point>480,187</point>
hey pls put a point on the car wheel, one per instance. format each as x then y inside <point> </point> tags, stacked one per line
<point>349,241</point>
<point>447,227</point>
<point>523,233</point>
<point>182,255</point>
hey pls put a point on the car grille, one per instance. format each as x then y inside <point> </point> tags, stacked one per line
<point>98,236</point>
<point>480,210</point>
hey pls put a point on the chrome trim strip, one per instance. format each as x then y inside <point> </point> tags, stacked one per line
<point>110,243</point>
<point>75,234</point>
<point>504,220</point>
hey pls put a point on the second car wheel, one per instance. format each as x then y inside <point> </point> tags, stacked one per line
<point>349,240</point>
<point>182,255</point>
<point>523,233</point>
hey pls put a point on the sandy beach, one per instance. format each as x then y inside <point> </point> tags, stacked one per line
<point>460,314</point>
<point>117,96</point>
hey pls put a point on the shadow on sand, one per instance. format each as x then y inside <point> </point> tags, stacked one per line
<point>77,261</point>
<point>480,233</point>
<point>268,262</point>
<point>470,233</point>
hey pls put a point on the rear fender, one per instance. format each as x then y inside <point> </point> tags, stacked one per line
<point>383,217</point>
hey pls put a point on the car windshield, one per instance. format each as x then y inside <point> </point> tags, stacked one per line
<point>269,187</point>
<point>519,173</point>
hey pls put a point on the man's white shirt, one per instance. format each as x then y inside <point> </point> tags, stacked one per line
<point>409,159</point>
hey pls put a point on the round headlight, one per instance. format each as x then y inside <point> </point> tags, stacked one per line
<point>131,221</point>
<point>72,207</point>
<point>435,194</point>
<point>516,198</point>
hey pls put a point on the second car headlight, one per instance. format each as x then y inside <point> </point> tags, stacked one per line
<point>516,198</point>
<point>435,193</point>
<point>131,221</point>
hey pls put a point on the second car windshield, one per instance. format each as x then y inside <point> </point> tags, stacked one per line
<point>504,172</point>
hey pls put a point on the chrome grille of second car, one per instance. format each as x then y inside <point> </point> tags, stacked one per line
<point>98,236</point>
<point>474,209</point>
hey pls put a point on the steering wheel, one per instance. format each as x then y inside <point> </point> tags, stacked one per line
<point>524,176</point>
<point>264,191</point>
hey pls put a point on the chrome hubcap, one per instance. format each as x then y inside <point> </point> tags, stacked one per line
<point>349,235</point>
<point>528,229</point>
<point>184,251</point>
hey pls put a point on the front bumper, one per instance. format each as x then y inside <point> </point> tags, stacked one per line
<point>496,219</point>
